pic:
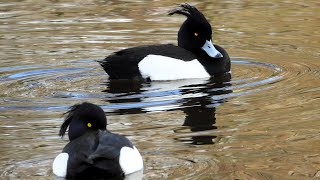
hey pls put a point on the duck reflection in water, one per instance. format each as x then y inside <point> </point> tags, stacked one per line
<point>125,92</point>
<point>199,111</point>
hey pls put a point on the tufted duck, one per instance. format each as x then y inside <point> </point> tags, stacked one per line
<point>194,57</point>
<point>93,152</point>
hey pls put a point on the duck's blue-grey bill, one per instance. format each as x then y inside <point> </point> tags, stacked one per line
<point>211,50</point>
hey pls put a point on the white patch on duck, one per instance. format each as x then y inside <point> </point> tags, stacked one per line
<point>130,160</point>
<point>162,68</point>
<point>59,165</point>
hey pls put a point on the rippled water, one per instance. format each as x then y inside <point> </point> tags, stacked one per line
<point>262,122</point>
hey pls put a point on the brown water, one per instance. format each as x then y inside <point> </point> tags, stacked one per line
<point>262,124</point>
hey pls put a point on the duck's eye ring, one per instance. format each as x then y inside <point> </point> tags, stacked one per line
<point>89,125</point>
<point>196,34</point>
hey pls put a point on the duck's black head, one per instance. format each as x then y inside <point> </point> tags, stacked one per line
<point>195,33</point>
<point>82,118</point>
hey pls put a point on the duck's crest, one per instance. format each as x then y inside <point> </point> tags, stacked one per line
<point>68,118</point>
<point>187,10</point>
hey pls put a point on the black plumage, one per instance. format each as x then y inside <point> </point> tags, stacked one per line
<point>93,151</point>
<point>192,36</point>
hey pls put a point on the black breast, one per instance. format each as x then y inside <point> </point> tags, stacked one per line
<point>215,66</point>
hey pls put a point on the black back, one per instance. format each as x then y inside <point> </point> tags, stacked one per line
<point>95,155</point>
<point>124,64</point>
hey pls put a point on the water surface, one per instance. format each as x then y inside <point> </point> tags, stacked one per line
<point>262,122</point>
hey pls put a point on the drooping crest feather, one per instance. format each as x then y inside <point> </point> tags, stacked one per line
<point>187,10</point>
<point>68,118</point>
<point>183,9</point>
<point>80,114</point>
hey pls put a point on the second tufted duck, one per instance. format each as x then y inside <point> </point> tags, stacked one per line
<point>194,57</point>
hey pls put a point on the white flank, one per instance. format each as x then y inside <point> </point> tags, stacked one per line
<point>162,68</point>
<point>59,166</point>
<point>130,160</point>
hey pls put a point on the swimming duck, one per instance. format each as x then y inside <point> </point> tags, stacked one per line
<point>194,57</point>
<point>93,152</point>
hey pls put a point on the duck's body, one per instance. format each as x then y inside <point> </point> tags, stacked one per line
<point>194,57</point>
<point>163,62</point>
<point>99,156</point>
<point>95,153</point>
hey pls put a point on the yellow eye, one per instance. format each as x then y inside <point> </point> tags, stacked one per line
<point>196,34</point>
<point>89,124</point>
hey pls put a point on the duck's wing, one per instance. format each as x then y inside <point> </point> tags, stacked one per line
<point>120,151</point>
<point>108,148</point>
<point>78,150</point>
<point>124,63</point>
<point>93,155</point>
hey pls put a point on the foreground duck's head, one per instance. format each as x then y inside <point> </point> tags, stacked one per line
<point>82,118</point>
<point>195,33</point>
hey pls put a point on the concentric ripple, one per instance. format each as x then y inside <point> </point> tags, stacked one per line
<point>52,89</point>
<point>49,88</point>
<point>43,86</point>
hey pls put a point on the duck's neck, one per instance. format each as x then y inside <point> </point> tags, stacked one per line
<point>215,66</point>
<point>183,36</point>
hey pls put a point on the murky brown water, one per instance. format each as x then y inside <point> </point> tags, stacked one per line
<point>262,124</point>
